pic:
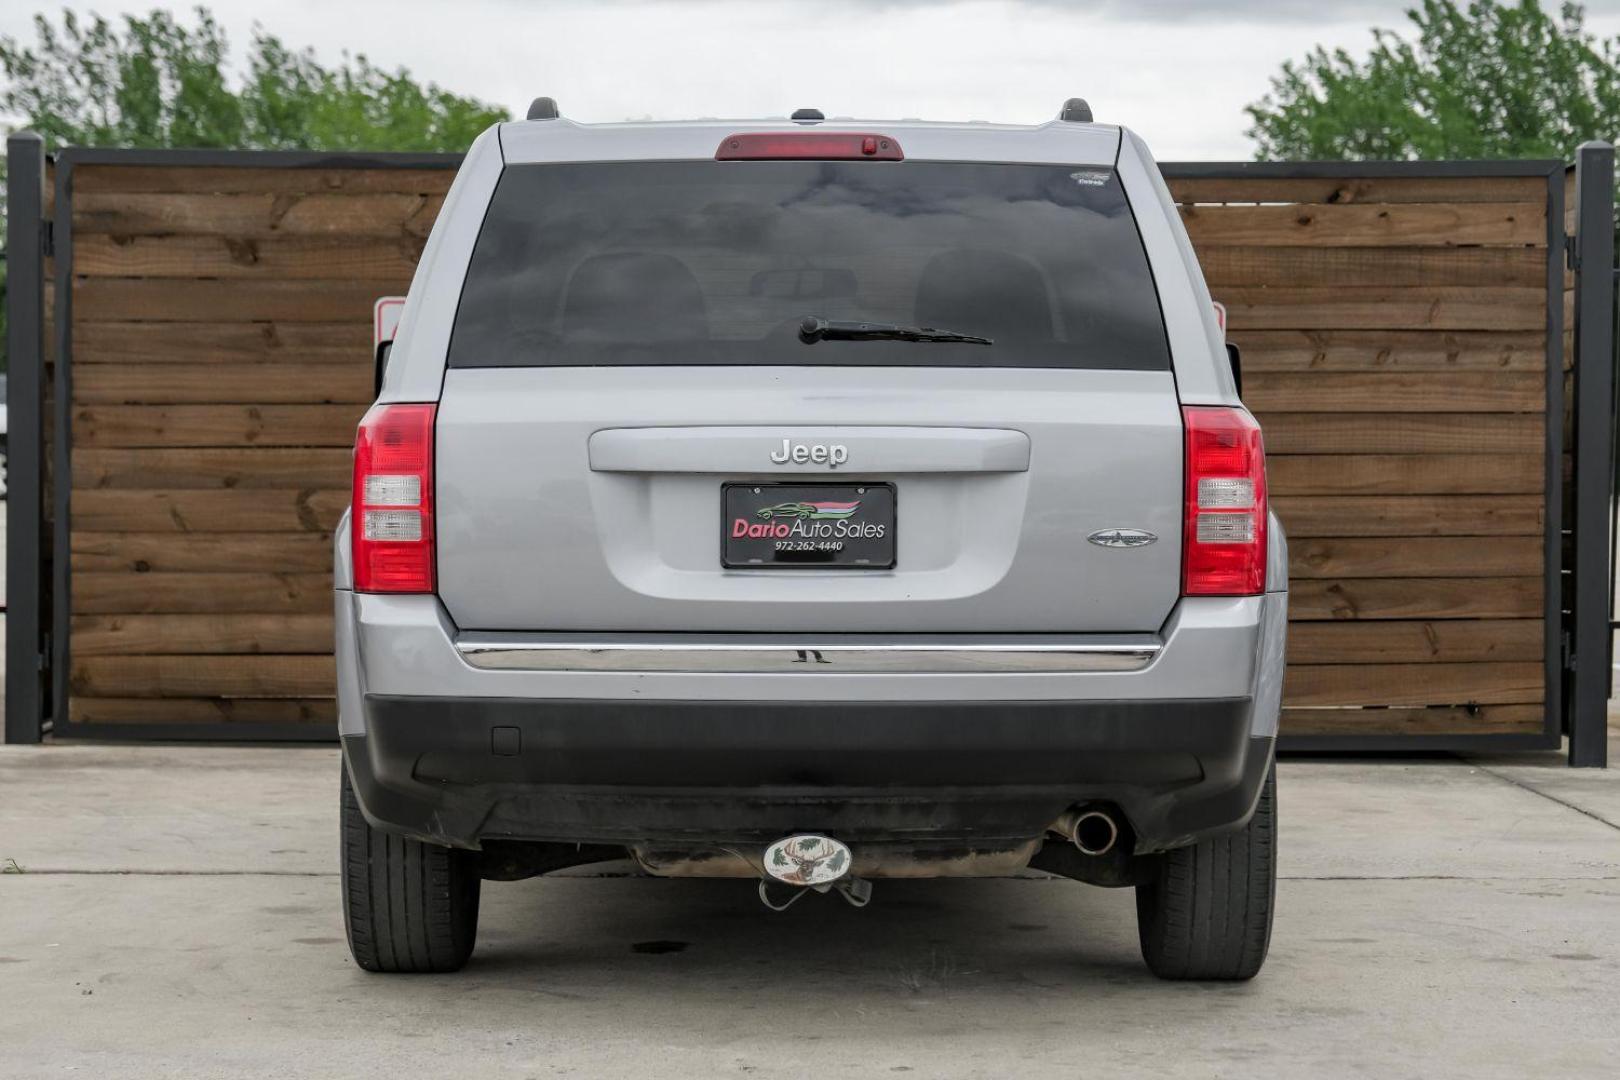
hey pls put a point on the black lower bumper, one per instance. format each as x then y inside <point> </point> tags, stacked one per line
<point>462,771</point>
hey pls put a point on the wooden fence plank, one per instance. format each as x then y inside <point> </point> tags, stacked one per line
<point>1242,265</point>
<point>1372,189</point>
<point>202,676</point>
<point>1394,433</point>
<point>97,341</point>
<point>1415,598</point>
<point>141,552</point>
<point>136,635</point>
<point>248,216</point>
<point>208,511</point>
<point>1405,474</point>
<point>215,425</point>
<point>228,179</point>
<point>215,710</point>
<point>1430,641</point>
<point>1412,684</point>
<point>187,300</point>
<point>255,467</point>
<point>1410,515</point>
<point>1483,720</point>
<point>390,259</point>
<point>1369,224</point>
<point>1390,350</point>
<point>1361,307</point>
<point>160,593</point>
<point>1414,556</point>
<point>1395,391</point>
<point>251,384</point>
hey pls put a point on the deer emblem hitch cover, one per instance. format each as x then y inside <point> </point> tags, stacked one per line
<point>808,860</point>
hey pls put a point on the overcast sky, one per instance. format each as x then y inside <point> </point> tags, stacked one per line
<point>1179,71</point>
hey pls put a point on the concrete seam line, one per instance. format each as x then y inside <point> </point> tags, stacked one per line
<point>48,871</point>
<point>1599,818</point>
<point>1439,877</point>
<point>53,872</point>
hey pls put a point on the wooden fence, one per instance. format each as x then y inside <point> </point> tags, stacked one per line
<point>1395,332</point>
<point>221,357</point>
<point>1395,327</point>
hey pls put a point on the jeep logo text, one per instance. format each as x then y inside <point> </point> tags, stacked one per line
<point>818,454</point>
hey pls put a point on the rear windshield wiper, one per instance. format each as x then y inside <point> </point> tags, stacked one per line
<point>814,328</point>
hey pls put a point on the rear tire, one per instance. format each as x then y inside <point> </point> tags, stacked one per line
<point>407,906</point>
<point>1207,915</point>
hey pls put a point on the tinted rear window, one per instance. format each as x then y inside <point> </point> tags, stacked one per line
<point>702,262</point>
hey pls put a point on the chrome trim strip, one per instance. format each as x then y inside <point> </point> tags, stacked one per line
<point>807,656</point>
<point>870,449</point>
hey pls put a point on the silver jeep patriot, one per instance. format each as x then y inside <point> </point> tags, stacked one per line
<point>810,503</point>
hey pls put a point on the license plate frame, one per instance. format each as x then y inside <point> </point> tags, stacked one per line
<point>874,507</point>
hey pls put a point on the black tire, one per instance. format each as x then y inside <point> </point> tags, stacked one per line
<point>1208,913</point>
<point>407,906</point>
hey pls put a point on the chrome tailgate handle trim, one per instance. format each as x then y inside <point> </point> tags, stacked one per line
<point>865,449</point>
<point>808,657</point>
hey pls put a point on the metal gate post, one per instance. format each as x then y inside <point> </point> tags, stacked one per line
<point>26,242</point>
<point>1592,645</point>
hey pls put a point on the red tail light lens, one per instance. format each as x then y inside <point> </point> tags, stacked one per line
<point>391,518</point>
<point>808,146</point>
<point>1224,547</point>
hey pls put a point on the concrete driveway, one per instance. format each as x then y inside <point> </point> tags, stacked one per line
<point>177,915</point>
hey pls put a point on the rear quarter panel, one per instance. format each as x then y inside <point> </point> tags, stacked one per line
<point>416,363</point>
<point>1197,346</point>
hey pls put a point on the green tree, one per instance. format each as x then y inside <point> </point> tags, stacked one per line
<point>155,81</point>
<point>1487,79</point>
<point>291,101</point>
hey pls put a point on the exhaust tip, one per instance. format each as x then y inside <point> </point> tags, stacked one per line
<point>1095,833</point>
<point>1094,830</point>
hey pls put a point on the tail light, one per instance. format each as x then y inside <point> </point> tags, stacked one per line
<point>391,521</point>
<point>1224,549</point>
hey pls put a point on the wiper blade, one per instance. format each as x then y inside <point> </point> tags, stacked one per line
<point>815,328</point>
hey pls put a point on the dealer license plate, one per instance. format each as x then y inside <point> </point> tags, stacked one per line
<point>813,526</point>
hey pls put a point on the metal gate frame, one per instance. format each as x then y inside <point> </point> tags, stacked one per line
<point>1589,630</point>
<point>37,644</point>
<point>28,604</point>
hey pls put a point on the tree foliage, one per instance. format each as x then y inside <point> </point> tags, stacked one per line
<point>154,81</point>
<point>1488,79</point>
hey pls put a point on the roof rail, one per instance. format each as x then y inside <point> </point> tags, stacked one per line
<point>543,108</point>
<point>1076,111</point>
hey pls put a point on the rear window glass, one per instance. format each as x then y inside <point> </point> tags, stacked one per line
<point>705,262</point>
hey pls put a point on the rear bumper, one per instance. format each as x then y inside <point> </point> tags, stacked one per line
<point>721,772</point>
<point>746,751</point>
